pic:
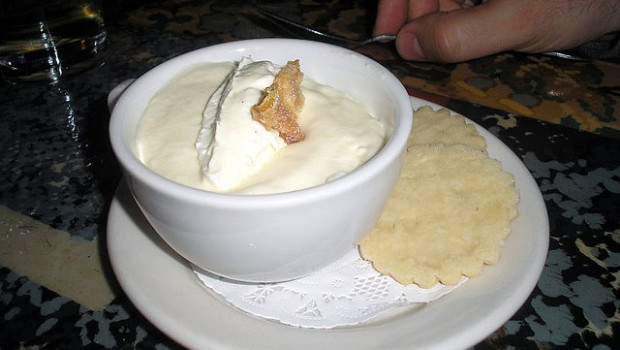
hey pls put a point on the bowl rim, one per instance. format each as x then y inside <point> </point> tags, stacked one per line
<point>393,148</point>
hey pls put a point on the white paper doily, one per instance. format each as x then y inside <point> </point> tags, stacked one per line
<point>348,292</point>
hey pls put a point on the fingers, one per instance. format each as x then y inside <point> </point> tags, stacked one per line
<point>419,8</point>
<point>462,35</point>
<point>455,31</point>
<point>391,15</point>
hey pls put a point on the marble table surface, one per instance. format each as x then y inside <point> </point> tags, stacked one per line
<point>59,176</point>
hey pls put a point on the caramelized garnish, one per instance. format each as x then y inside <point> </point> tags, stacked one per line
<point>282,102</point>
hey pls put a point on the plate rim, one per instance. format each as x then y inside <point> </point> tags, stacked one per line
<point>207,321</point>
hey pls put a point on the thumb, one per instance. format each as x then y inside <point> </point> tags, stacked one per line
<point>461,35</point>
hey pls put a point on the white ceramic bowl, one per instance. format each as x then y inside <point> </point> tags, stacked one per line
<point>276,237</point>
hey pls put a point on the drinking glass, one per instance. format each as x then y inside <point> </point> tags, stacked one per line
<point>43,40</point>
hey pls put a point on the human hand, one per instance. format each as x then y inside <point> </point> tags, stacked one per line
<point>454,30</point>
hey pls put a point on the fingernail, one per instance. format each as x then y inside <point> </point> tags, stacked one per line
<point>409,47</point>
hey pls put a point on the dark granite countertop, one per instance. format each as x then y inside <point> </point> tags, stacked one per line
<point>58,174</point>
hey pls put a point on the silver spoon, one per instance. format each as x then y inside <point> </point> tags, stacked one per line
<point>324,36</point>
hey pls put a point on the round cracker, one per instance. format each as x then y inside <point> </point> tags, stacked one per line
<point>449,214</point>
<point>442,126</point>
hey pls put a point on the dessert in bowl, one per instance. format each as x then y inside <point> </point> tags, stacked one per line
<point>271,234</point>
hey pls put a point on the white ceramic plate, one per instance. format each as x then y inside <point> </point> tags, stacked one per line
<point>164,288</point>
